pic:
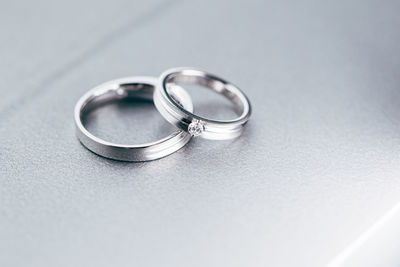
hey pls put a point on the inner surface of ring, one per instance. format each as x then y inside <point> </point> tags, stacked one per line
<point>213,83</point>
<point>124,114</point>
<point>137,91</point>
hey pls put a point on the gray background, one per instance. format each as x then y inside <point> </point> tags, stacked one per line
<point>317,166</point>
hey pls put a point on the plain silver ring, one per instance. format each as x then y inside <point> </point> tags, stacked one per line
<point>131,87</point>
<point>194,124</point>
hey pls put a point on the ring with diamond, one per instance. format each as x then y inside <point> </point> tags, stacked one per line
<point>184,119</point>
<point>132,87</point>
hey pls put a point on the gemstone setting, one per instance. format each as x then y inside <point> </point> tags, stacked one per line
<point>196,128</point>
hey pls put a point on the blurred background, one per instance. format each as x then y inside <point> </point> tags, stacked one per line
<point>313,181</point>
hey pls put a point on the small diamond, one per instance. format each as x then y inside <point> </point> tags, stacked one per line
<point>196,128</point>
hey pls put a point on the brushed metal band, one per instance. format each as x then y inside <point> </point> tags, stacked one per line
<point>131,87</point>
<point>194,124</point>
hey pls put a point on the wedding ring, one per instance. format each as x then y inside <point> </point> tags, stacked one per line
<point>132,87</point>
<point>184,119</point>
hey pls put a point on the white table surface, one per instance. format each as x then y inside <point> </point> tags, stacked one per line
<point>317,167</point>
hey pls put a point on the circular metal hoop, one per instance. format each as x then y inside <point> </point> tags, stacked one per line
<point>131,87</point>
<point>194,124</point>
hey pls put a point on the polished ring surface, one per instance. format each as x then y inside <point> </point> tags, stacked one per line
<point>196,125</point>
<point>132,87</point>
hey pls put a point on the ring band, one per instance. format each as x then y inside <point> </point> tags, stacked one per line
<point>132,87</point>
<point>196,125</point>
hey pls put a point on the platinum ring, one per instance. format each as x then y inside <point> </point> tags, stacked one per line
<point>132,87</point>
<point>196,125</point>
